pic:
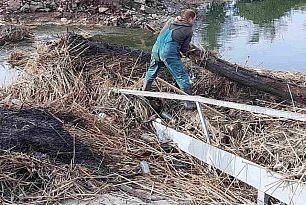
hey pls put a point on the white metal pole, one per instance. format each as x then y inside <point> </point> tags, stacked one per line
<point>203,122</point>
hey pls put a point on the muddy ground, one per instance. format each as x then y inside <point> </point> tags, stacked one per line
<point>134,14</point>
<point>37,132</point>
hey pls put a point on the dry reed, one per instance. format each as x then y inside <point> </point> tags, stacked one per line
<point>61,80</point>
<point>13,33</point>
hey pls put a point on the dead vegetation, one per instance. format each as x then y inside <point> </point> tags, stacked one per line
<point>12,34</point>
<point>68,78</point>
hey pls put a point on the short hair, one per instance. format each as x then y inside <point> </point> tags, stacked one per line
<point>187,14</point>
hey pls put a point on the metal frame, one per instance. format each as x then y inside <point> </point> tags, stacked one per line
<point>203,121</point>
<point>238,106</point>
<point>266,182</point>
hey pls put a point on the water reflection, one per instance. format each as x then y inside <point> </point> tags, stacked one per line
<point>258,33</point>
<point>264,12</point>
<point>7,75</point>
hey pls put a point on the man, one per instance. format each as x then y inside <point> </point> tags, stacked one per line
<point>174,38</point>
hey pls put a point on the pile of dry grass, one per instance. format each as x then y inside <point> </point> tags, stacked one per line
<point>277,144</point>
<point>26,179</point>
<point>13,33</point>
<point>61,80</point>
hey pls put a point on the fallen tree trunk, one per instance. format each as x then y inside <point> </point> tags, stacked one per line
<point>275,86</point>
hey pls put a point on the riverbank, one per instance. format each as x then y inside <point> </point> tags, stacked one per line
<point>75,84</point>
<point>67,135</point>
<point>223,26</point>
<point>128,14</point>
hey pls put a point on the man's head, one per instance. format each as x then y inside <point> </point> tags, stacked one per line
<point>188,15</point>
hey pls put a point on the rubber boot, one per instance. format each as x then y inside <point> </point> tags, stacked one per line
<point>155,103</point>
<point>147,86</point>
<point>189,105</point>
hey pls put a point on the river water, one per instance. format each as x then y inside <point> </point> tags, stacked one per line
<point>7,74</point>
<point>136,38</point>
<point>262,34</point>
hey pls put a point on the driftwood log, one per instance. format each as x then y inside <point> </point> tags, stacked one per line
<point>275,86</point>
<point>278,87</point>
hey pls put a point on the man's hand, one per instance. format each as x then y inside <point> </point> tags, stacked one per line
<point>183,55</point>
<point>178,18</point>
<point>188,53</point>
